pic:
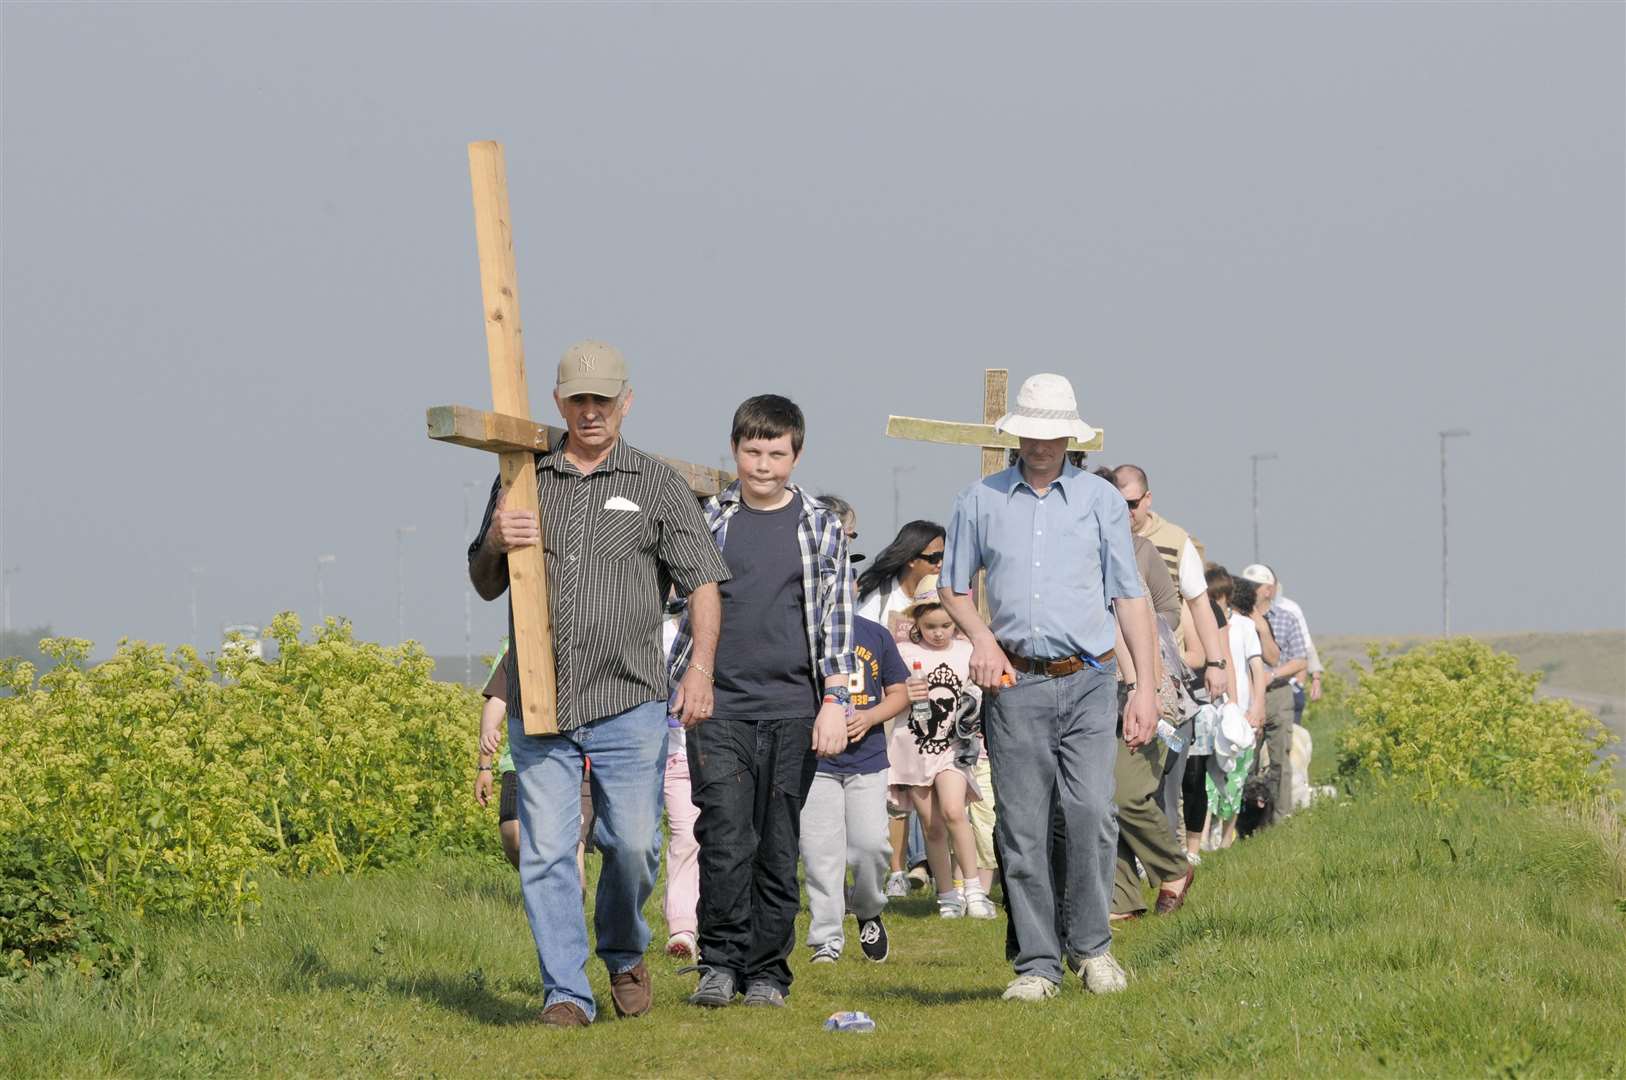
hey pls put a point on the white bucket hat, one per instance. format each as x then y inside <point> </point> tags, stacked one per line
<point>1045,409</point>
<point>1233,735</point>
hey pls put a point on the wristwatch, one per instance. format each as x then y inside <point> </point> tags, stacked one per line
<point>839,694</point>
<point>1215,664</point>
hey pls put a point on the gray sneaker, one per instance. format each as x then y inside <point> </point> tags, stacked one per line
<point>716,987</point>
<point>764,993</point>
<point>828,953</point>
<point>1030,988</point>
<point>1103,975</point>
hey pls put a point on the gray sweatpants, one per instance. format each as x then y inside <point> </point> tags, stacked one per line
<point>844,824</point>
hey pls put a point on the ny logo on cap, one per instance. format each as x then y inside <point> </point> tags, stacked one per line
<point>587,363</point>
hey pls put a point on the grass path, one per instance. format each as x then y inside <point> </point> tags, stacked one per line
<point>1365,937</point>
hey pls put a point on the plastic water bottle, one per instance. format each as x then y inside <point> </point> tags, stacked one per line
<point>920,713</point>
<point>1173,741</point>
<point>850,1021</point>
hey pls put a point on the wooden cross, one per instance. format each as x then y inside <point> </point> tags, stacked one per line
<point>508,432</point>
<point>995,446</point>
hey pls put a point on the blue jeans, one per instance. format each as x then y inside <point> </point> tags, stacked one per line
<point>1052,743</point>
<point>915,849</point>
<point>629,759</point>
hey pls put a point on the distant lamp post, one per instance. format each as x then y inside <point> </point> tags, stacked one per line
<point>401,533</point>
<point>1256,459</point>
<point>5,604</point>
<point>897,496</point>
<point>1445,545</point>
<point>322,563</point>
<point>468,592</point>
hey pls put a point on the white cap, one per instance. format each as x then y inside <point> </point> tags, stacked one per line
<point>1259,574</point>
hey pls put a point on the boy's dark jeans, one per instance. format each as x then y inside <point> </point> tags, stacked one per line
<point>749,781</point>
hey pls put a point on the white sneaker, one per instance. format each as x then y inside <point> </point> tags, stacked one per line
<point>828,953</point>
<point>1102,975</point>
<point>1193,858</point>
<point>950,906</point>
<point>681,946</point>
<point>897,884</point>
<point>978,906</point>
<point>1030,988</point>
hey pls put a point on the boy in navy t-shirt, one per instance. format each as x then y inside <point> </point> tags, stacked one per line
<point>844,820</point>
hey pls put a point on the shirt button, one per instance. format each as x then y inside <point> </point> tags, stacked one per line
<point>1035,564</point>
<point>1038,532</point>
<point>1036,596</point>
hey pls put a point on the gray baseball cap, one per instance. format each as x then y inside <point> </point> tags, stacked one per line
<point>592,367</point>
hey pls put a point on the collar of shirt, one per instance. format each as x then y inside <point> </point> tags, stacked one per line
<point>1012,480</point>
<point>621,459</point>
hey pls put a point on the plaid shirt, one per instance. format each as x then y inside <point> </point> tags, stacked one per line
<point>827,584</point>
<point>1289,637</point>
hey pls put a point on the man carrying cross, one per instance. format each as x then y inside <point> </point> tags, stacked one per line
<point>619,527</point>
<point>1060,564</point>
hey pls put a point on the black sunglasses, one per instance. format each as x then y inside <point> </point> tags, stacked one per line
<point>935,558</point>
<point>1134,504</point>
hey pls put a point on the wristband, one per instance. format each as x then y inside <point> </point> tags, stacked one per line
<point>1128,686</point>
<point>697,666</point>
<point>483,768</point>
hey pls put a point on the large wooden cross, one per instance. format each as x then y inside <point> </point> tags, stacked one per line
<point>509,432</point>
<point>995,446</point>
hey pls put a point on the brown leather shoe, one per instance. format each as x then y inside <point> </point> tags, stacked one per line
<point>631,991</point>
<point>565,1014</point>
<point>1168,903</point>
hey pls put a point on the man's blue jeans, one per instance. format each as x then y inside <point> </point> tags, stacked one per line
<point>629,759</point>
<point>1052,742</point>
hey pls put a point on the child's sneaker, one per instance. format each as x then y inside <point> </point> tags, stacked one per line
<point>680,946</point>
<point>978,906</point>
<point>897,884</point>
<point>950,905</point>
<point>828,953</point>
<point>872,939</point>
<point>919,877</point>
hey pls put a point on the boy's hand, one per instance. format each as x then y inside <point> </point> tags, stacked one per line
<point>482,787</point>
<point>859,723</point>
<point>830,730</point>
<point>693,701</point>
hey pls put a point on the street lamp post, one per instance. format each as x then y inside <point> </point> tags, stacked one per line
<point>1256,459</point>
<point>401,533</point>
<point>322,563</point>
<point>6,575</point>
<point>1445,547</point>
<point>468,592</point>
<point>897,496</point>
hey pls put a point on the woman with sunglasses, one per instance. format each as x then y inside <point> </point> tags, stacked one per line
<point>888,587</point>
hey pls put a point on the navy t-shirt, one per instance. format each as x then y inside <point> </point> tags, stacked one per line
<point>764,671</point>
<point>879,666</point>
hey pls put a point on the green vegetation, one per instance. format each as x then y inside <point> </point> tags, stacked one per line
<point>278,869</point>
<point>1455,714</point>
<point>156,785</point>
<point>1366,937</point>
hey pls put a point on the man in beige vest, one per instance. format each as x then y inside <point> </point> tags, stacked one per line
<point>1179,553</point>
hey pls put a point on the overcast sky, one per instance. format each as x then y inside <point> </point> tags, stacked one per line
<point>239,263</point>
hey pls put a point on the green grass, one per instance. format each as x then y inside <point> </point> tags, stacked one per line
<point>1365,937</point>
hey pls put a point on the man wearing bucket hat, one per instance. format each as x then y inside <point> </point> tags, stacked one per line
<point>619,525</point>
<point>1061,580</point>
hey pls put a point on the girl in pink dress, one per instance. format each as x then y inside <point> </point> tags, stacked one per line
<point>922,751</point>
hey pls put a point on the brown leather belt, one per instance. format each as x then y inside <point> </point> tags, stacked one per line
<point>1054,669</point>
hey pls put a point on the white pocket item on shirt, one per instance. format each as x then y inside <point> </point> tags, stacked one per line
<point>617,502</point>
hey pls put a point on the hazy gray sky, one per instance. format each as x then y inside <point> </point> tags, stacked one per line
<point>239,263</point>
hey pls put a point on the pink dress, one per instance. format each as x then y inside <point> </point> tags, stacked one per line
<point>917,752</point>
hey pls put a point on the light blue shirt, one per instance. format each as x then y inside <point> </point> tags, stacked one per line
<point>1055,562</point>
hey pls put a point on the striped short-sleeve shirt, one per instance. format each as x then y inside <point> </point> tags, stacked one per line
<point>616,540</point>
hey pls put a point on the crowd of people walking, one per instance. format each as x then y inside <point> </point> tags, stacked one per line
<point>1051,697</point>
